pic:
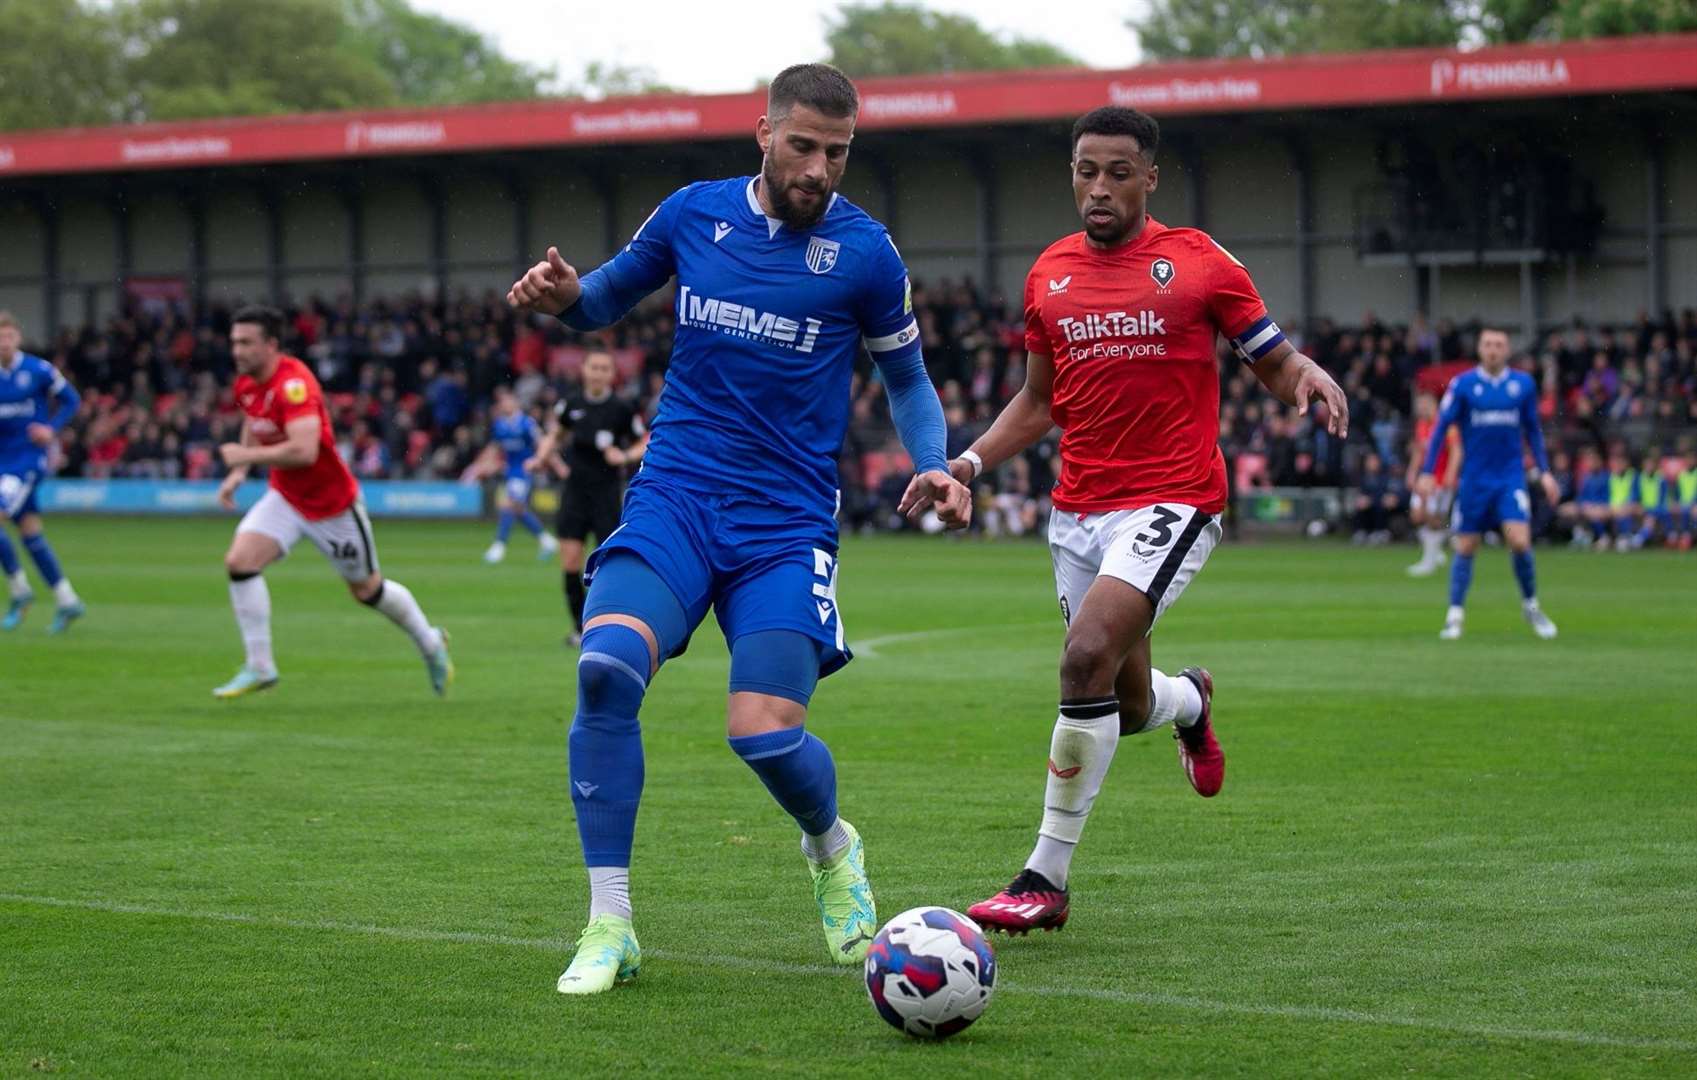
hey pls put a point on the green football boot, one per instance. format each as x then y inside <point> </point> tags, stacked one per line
<point>65,615</point>
<point>607,954</point>
<point>247,681</point>
<point>440,665</point>
<point>845,901</point>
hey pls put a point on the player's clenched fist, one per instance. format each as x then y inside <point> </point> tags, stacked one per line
<point>936,490</point>
<point>549,287</point>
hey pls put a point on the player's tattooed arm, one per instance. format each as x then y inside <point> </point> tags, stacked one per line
<point>1024,420</point>
<point>1297,380</point>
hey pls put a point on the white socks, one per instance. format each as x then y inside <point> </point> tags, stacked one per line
<point>1086,735</point>
<point>1431,545</point>
<point>609,891</point>
<point>63,594</point>
<point>830,842</point>
<point>251,601</point>
<point>1173,700</point>
<point>19,583</point>
<point>396,601</point>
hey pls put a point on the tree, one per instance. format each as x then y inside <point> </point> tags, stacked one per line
<point>1233,29</point>
<point>74,62</point>
<point>199,58</point>
<point>905,39</point>
<point>62,66</point>
<point>429,60</point>
<point>1177,29</point>
<point>611,80</point>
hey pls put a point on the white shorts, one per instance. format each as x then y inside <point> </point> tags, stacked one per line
<point>345,539</point>
<point>1439,514</point>
<point>1156,550</point>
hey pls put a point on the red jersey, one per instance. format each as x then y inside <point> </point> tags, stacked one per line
<point>326,487</point>
<point>1137,389</point>
<point>1423,437</point>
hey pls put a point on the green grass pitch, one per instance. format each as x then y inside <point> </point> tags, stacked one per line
<point>1469,859</point>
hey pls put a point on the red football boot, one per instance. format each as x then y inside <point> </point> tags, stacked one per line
<point>1031,903</point>
<point>1198,751</point>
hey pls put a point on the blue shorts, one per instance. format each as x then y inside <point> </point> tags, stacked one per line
<point>518,490</point>
<point>18,494</point>
<point>1481,508</point>
<point>759,565</point>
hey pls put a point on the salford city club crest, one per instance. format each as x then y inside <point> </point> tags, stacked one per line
<point>822,254</point>
<point>1162,271</point>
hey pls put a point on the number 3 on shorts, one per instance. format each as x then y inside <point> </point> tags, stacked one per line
<point>1159,532</point>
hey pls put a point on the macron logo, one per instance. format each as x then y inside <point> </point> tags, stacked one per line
<point>585,788</point>
<point>721,230</point>
<point>1059,286</point>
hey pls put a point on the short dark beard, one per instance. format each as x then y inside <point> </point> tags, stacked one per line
<point>786,211</point>
<point>1117,237</point>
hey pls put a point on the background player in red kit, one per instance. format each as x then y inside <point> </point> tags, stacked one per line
<point>1121,324</point>
<point>312,494</point>
<point>1431,515</point>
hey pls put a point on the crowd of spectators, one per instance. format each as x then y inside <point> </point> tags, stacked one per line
<point>409,381</point>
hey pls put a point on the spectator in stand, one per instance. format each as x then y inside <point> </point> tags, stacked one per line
<point>1376,498</point>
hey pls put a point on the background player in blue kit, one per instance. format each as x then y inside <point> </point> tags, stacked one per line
<point>779,284</point>
<point>517,434</point>
<point>1494,408</point>
<point>35,402</point>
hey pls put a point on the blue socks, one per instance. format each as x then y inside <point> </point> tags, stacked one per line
<point>1523,574</point>
<point>8,555</point>
<point>797,769</point>
<point>1461,579</point>
<point>504,524</point>
<point>45,560</point>
<point>606,742</point>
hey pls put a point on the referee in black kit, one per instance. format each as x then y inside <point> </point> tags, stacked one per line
<point>598,434</point>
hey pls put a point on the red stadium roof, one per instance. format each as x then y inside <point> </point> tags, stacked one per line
<point>1399,77</point>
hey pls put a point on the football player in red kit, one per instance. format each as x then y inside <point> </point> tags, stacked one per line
<point>1121,325</point>
<point>286,429</point>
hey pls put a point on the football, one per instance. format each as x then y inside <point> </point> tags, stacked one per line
<point>930,972</point>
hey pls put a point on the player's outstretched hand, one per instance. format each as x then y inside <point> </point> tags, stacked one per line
<point>549,287</point>
<point>937,490</point>
<point>1315,383</point>
<point>40,434</point>
<point>1552,490</point>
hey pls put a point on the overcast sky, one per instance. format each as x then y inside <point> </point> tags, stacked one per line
<point>706,46</point>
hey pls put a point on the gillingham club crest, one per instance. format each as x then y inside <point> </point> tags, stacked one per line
<point>822,254</point>
<point>1162,271</point>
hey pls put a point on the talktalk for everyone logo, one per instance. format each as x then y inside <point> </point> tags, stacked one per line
<point>1113,324</point>
<point>1485,76</point>
<point>740,320</point>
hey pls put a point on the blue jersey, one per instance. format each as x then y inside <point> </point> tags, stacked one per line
<point>31,392</point>
<point>518,436</point>
<point>769,323</point>
<point>1595,488</point>
<point>1494,415</point>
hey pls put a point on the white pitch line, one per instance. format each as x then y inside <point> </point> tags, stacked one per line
<point>742,963</point>
<point>868,649</point>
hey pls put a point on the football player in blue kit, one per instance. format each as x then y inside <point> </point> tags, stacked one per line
<point>518,434</point>
<point>1495,408</point>
<point>35,403</point>
<point>780,283</point>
